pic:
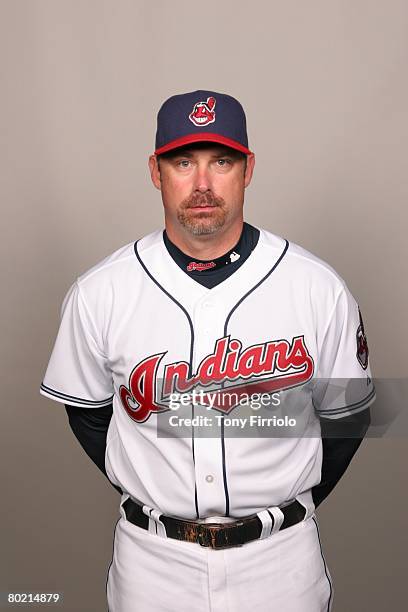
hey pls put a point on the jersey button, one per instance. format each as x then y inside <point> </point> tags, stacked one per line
<point>209,478</point>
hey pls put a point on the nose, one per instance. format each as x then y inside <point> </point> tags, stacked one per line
<point>202,178</point>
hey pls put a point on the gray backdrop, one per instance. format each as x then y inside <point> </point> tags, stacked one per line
<point>324,89</point>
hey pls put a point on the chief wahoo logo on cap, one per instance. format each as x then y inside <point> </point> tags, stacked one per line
<point>203,113</point>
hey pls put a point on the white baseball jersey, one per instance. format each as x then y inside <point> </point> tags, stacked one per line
<point>135,329</point>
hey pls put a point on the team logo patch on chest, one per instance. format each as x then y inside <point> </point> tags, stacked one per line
<point>261,368</point>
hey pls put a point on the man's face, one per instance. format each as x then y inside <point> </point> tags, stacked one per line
<point>202,187</point>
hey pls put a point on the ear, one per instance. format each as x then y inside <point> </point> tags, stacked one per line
<point>249,169</point>
<point>155,171</point>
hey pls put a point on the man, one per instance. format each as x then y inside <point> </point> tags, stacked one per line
<point>219,376</point>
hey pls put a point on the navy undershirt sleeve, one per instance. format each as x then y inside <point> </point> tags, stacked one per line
<point>90,426</point>
<point>341,439</point>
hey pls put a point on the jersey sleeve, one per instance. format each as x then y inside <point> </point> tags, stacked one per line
<point>344,383</point>
<point>78,373</point>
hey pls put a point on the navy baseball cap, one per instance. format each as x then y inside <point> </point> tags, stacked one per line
<point>201,116</point>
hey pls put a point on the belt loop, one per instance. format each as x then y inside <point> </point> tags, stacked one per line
<point>155,524</point>
<point>267,522</point>
<point>278,517</point>
<point>306,500</point>
<point>125,496</point>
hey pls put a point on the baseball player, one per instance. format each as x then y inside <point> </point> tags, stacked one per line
<point>214,371</point>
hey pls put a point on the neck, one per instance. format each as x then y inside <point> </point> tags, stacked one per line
<point>206,246</point>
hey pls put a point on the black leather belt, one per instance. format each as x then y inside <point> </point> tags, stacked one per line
<point>214,535</point>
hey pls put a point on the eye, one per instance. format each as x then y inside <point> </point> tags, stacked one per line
<point>223,161</point>
<point>183,163</point>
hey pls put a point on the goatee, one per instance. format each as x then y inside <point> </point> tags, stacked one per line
<point>202,222</point>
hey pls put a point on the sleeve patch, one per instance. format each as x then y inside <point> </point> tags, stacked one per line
<point>362,346</point>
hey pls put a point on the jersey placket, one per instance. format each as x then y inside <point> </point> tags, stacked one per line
<point>208,320</point>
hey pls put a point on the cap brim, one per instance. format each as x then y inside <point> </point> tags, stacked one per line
<point>204,137</point>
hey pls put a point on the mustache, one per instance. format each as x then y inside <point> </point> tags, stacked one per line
<point>202,199</point>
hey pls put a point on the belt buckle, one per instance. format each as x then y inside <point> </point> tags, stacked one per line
<point>206,536</point>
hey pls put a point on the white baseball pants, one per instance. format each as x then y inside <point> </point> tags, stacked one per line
<point>285,572</point>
